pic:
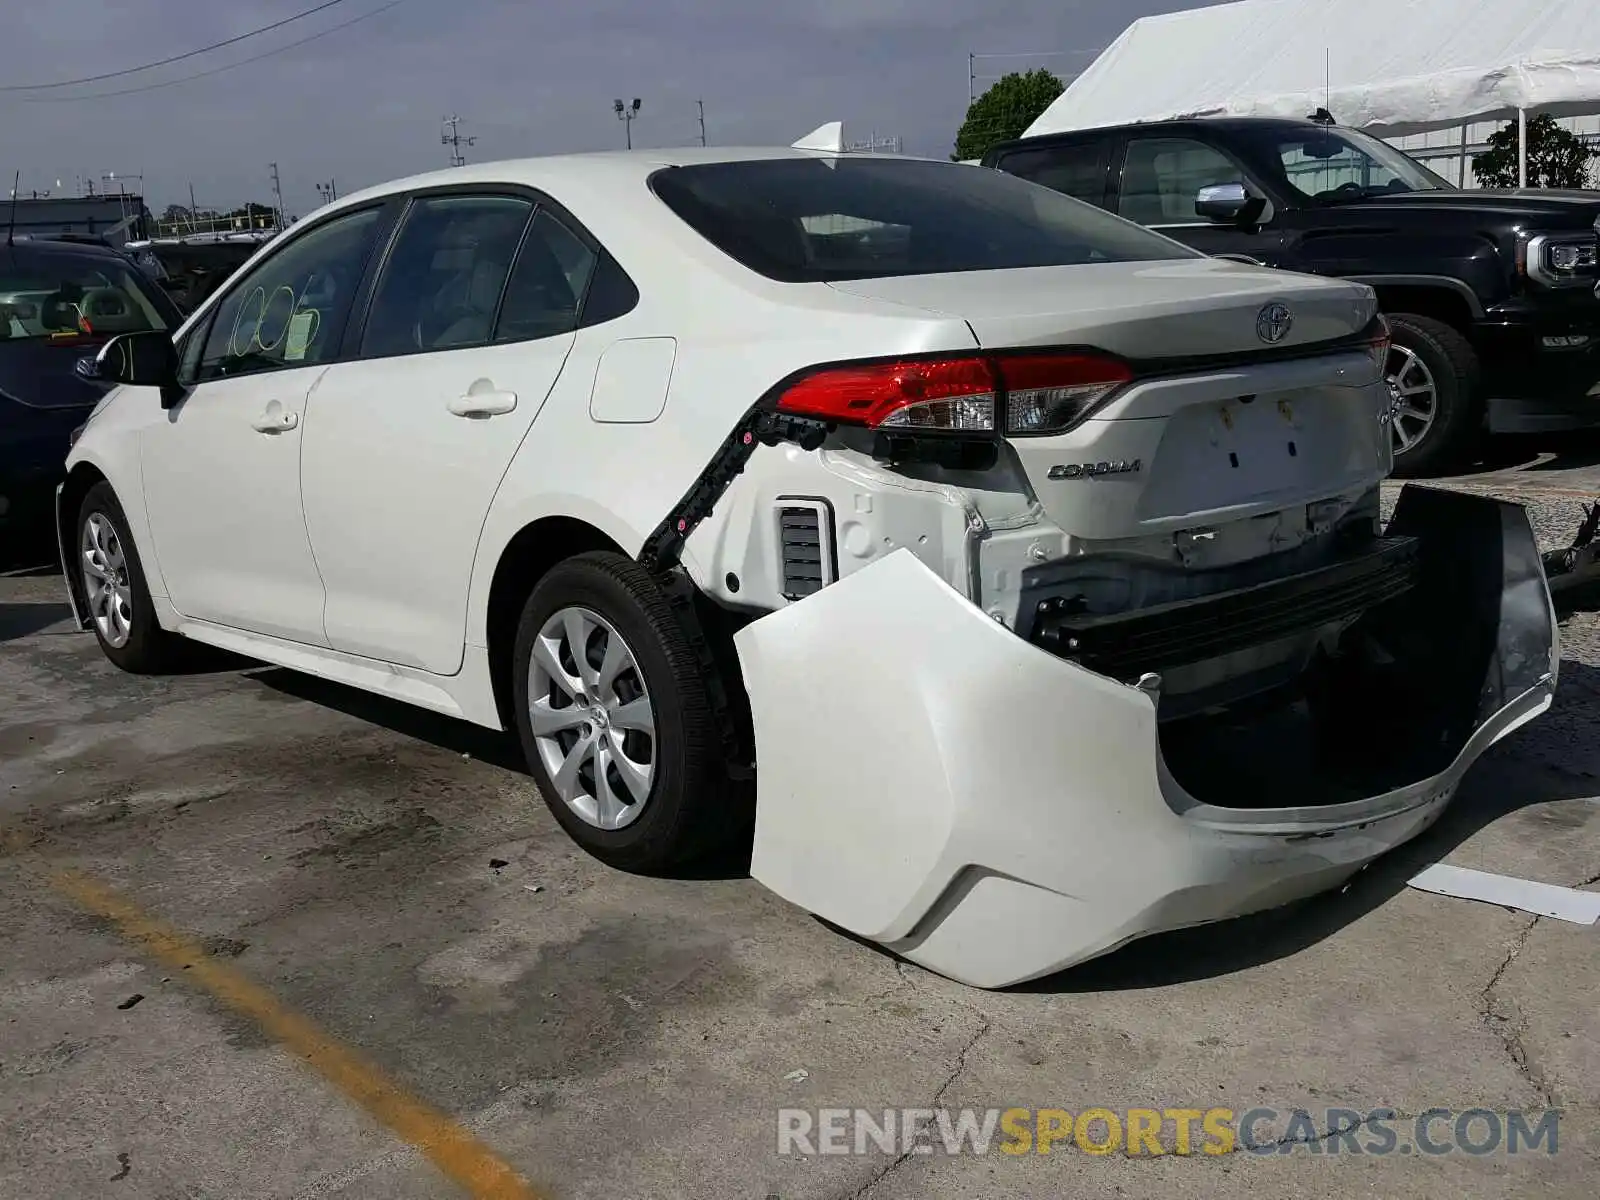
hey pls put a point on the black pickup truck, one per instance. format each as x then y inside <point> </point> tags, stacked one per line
<point>1494,296</point>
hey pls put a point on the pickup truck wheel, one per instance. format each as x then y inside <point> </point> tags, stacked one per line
<point>1433,381</point>
<point>614,718</point>
<point>114,589</point>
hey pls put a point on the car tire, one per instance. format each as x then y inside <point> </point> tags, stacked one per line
<point>1426,352</point>
<point>115,593</point>
<point>669,779</point>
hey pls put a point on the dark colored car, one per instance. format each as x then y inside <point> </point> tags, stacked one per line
<point>1494,296</point>
<point>59,303</point>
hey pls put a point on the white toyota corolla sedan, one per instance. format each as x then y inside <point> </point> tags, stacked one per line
<point>1013,575</point>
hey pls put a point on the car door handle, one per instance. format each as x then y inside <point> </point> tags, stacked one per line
<point>275,420</point>
<point>486,403</point>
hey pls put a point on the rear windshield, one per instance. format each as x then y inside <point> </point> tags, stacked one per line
<point>812,220</point>
<point>64,297</point>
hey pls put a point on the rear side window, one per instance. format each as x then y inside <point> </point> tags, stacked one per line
<point>442,284</point>
<point>546,289</point>
<point>817,219</point>
<point>1078,170</point>
<point>68,298</point>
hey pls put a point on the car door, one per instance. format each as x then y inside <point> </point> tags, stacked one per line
<point>470,323</point>
<point>222,472</point>
<point>1158,178</point>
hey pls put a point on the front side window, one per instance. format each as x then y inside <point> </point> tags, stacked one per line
<point>70,298</point>
<point>1161,178</point>
<point>441,287</point>
<point>1332,166</point>
<point>817,219</point>
<point>290,311</point>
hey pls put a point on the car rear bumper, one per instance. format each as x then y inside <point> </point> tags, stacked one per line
<point>933,782</point>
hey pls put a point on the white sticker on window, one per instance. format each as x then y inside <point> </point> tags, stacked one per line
<point>301,328</point>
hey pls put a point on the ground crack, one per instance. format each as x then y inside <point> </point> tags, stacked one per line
<point>1499,1020</point>
<point>956,1072</point>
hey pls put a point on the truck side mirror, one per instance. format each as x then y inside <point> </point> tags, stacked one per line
<point>1228,204</point>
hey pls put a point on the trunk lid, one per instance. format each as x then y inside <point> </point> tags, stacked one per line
<point>1208,444</point>
<point>1171,309</point>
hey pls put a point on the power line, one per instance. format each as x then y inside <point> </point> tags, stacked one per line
<point>243,62</point>
<point>61,83</point>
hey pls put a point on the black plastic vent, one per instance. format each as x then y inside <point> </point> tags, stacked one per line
<point>805,533</point>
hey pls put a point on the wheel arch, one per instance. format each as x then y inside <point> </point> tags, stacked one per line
<point>525,559</point>
<point>83,476</point>
<point>1448,304</point>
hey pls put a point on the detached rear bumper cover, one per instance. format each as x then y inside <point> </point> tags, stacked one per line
<point>931,781</point>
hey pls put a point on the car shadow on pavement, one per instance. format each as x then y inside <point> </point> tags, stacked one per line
<point>23,619</point>
<point>1535,453</point>
<point>448,733</point>
<point>1504,781</point>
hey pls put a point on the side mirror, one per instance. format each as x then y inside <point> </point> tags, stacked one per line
<point>146,359</point>
<point>1228,203</point>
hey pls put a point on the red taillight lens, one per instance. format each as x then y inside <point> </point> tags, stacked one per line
<point>954,394</point>
<point>1045,393</point>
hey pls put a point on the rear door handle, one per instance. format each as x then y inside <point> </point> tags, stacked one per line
<point>483,400</point>
<point>275,420</point>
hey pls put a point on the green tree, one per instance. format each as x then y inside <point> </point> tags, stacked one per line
<point>1005,111</point>
<point>1557,157</point>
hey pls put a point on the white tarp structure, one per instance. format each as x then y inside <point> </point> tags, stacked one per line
<point>1392,67</point>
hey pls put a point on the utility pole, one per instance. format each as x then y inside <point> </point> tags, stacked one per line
<point>626,114</point>
<point>702,105</point>
<point>277,194</point>
<point>454,140</point>
<point>972,78</point>
<point>194,213</point>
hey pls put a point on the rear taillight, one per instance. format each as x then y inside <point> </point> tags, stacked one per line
<point>1053,392</point>
<point>1040,393</point>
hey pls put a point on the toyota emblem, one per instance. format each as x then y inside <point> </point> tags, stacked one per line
<point>1274,322</point>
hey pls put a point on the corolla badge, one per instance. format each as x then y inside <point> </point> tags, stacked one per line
<point>1273,322</point>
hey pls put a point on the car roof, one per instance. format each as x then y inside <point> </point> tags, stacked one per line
<point>591,168</point>
<point>67,249</point>
<point>1290,125</point>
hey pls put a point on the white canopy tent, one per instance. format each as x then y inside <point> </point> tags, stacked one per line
<point>1391,67</point>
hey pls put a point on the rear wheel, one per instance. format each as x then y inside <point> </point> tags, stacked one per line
<point>114,589</point>
<point>1433,382</point>
<point>614,716</point>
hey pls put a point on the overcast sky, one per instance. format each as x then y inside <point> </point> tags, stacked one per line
<point>364,103</point>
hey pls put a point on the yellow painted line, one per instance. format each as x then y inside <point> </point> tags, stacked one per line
<point>450,1147</point>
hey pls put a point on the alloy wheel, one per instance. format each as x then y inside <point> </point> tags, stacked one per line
<point>591,718</point>
<point>105,580</point>
<point>1413,396</point>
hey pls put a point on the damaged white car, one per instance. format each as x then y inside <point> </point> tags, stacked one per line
<point>1015,572</point>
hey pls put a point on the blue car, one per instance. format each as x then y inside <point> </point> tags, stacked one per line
<point>59,303</point>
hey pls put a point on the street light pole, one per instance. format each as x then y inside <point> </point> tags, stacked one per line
<point>626,113</point>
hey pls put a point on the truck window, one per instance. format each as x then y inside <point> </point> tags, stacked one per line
<point>1075,170</point>
<point>1162,175</point>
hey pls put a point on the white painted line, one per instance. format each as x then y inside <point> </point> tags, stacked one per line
<point>1545,899</point>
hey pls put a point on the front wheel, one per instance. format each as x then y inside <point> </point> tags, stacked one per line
<point>115,591</point>
<point>614,717</point>
<point>1432,374</point>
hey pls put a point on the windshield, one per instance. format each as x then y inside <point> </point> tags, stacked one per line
<point>66,298</point>
<point>817,219</point>
<point>1333,166</point>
